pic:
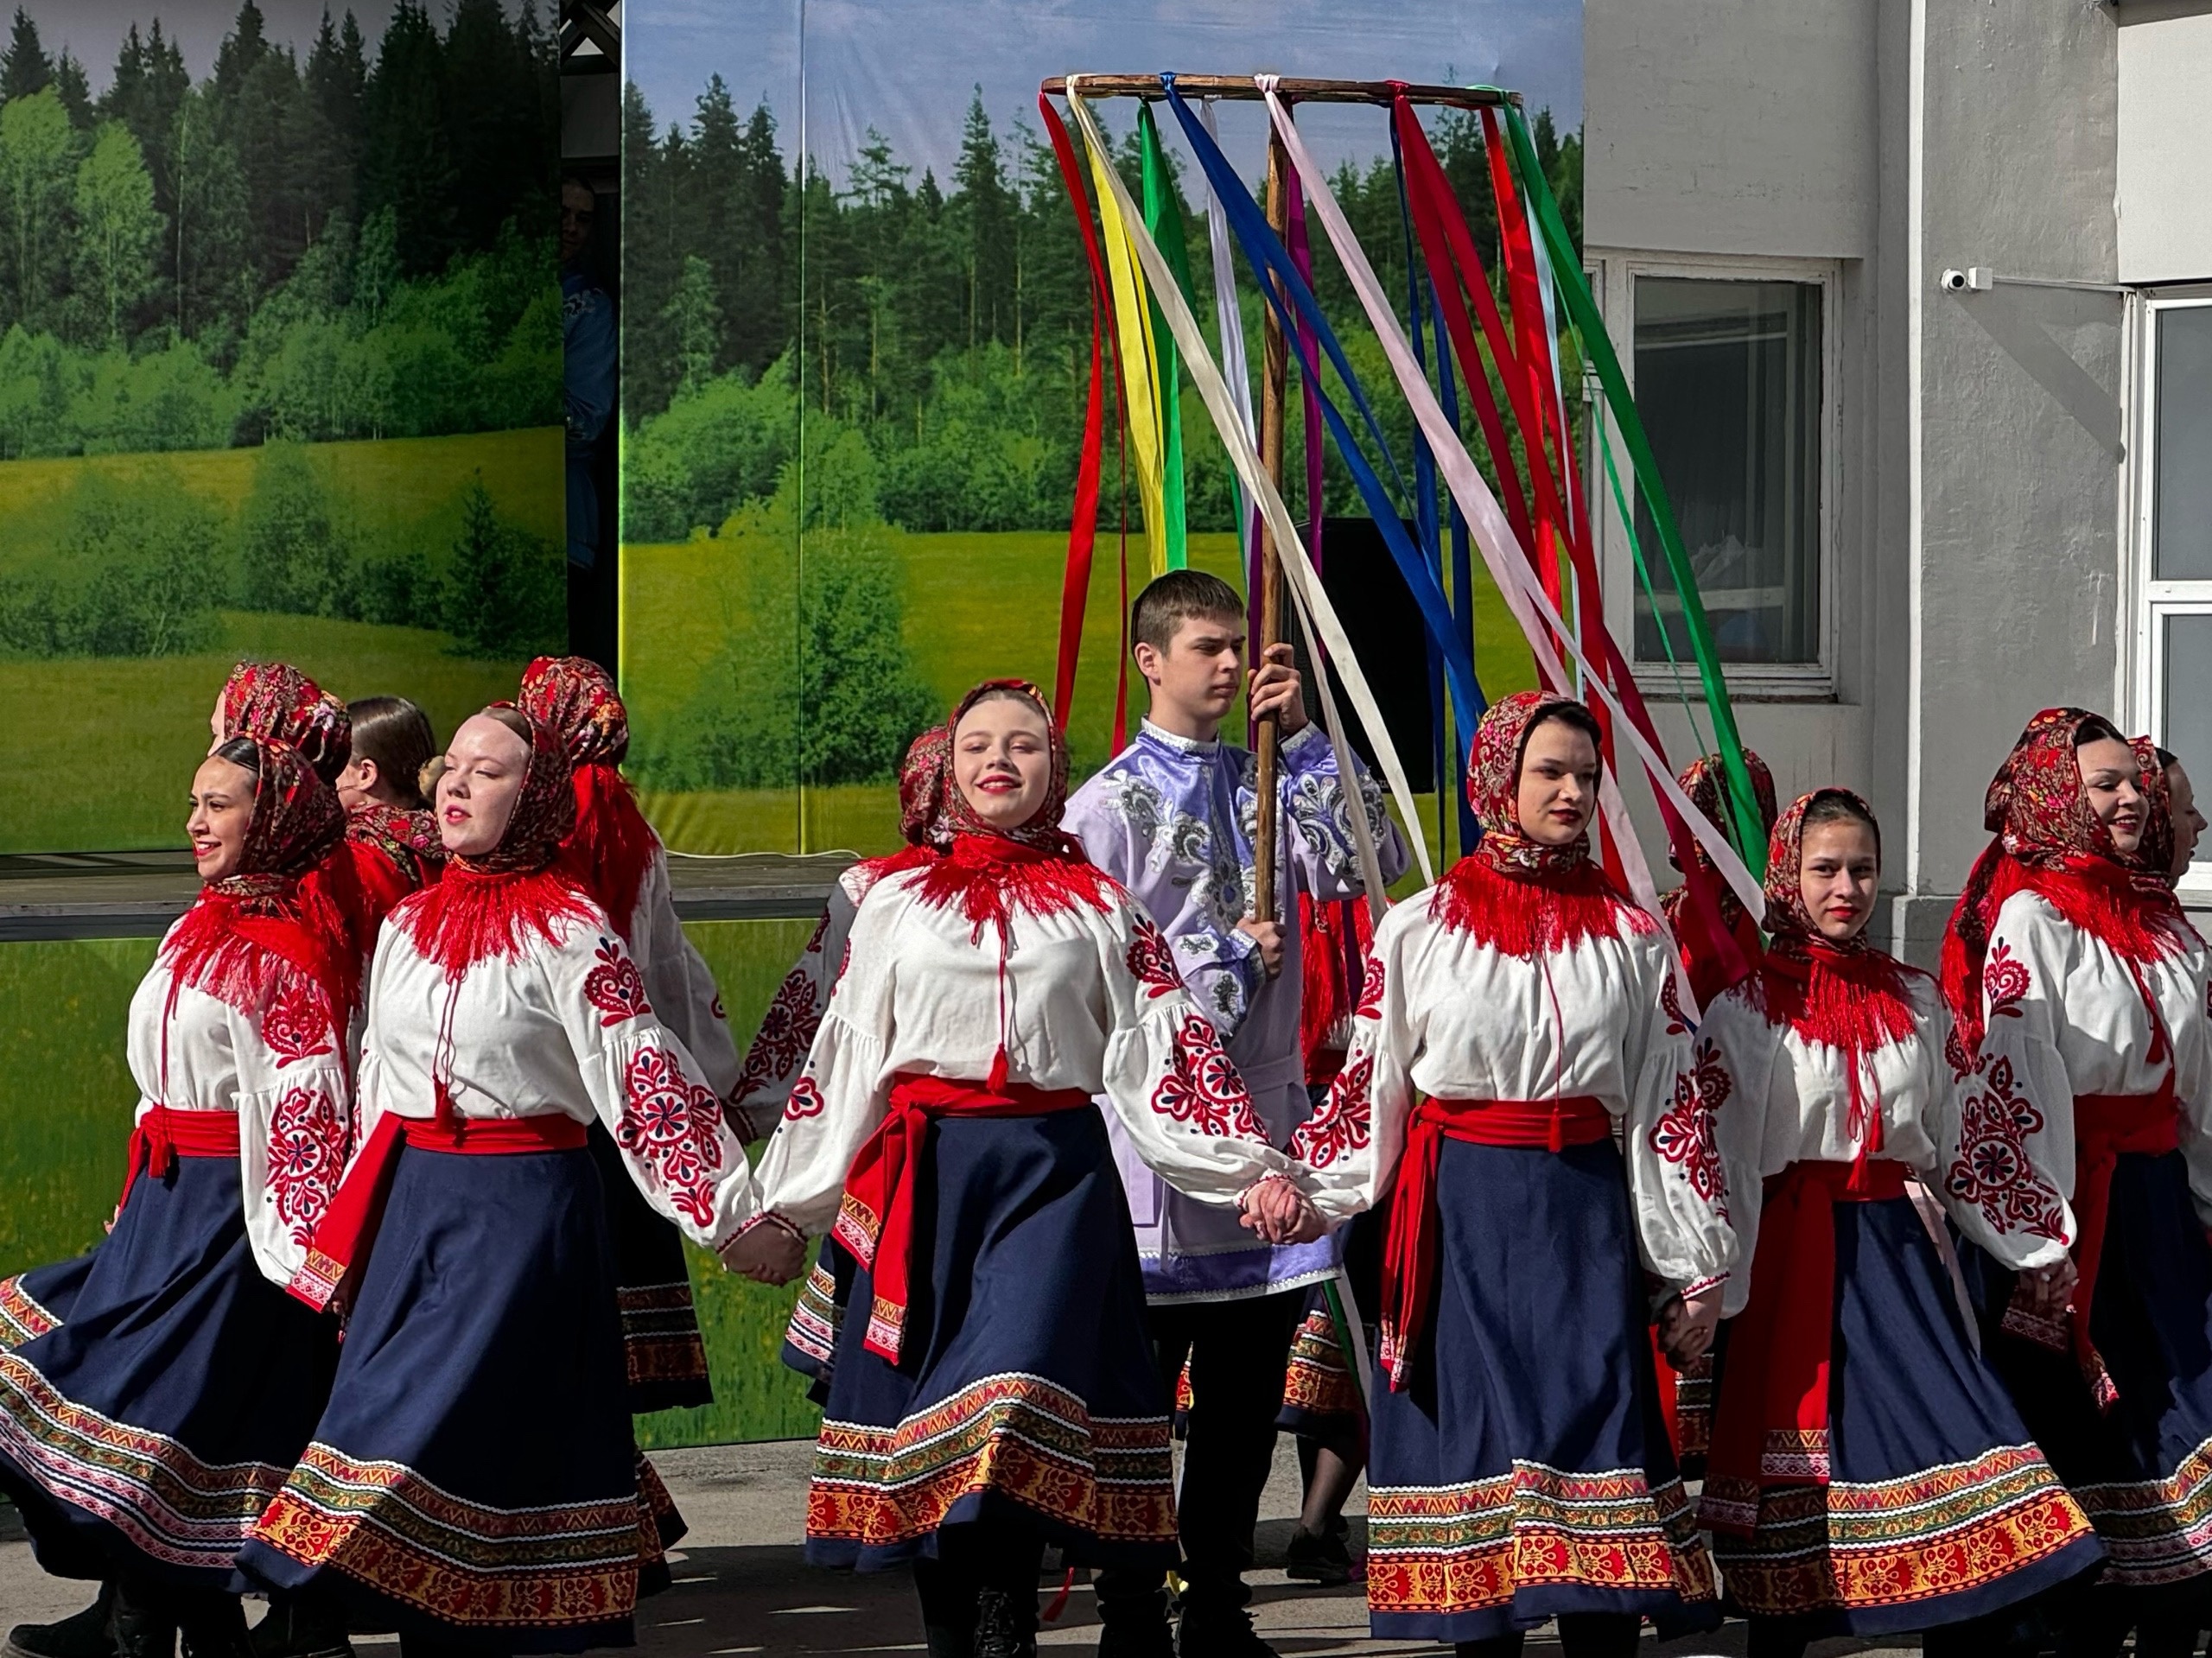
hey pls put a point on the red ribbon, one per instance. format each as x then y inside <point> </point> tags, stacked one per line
<point>1411,1249</point>
<point>1075,585</point>
<point>1771,1426</point>
<point>876,1221</point>
<point>163,1135</point>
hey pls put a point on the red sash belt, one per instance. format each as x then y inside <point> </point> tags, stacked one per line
<point>876,1220</point>
<point>1773,1424</point>
<point>348,1231</point>
<point>2104,1126</point>
<point>163,1135</point>
<point>1410,1253</point>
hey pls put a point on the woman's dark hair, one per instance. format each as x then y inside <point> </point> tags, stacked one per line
<point>514,719</point>
<point>2096,729</point>
<point>1834,806</point>
<point>241,751</point>
<point>2168,759</point>
<point>1565,714</point>
<point>397,735</point>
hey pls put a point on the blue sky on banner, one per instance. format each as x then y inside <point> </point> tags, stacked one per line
<point>908,67</point>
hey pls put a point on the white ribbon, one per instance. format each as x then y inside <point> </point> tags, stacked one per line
<point>1315,614</point>
<point>1539,618</point>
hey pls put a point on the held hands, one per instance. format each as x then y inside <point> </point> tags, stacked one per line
<point>769,1253</point>
<point>1280,1212</point>
<point>1274,688</point>
<point>1268,935</point>
<point>1686,1327</point>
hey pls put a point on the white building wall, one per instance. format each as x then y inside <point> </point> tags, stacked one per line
<point>1976,493</point>
<point>2165,141</point>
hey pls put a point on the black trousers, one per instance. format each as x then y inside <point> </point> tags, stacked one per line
<point>1238,1351</point>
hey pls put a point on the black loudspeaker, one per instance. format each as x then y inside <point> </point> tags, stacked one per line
<point>1378,613</point>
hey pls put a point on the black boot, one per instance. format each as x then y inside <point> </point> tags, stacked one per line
<point>311,1627</point>
<point>1219,1631</point>
<point>140,1625</point>
<point>82,1635</point>
<point>1133,1613</point>
<point>1318,1557</point>
<point>1006,1624</point>
<point>212,1625</point>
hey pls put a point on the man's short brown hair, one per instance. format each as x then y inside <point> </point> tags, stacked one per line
<point>1170,600</point>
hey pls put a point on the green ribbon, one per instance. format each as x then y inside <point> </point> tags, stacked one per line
<point>1163,216</point>
<point>1598,346</point>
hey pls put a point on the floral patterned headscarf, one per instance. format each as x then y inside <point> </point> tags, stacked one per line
<point>544,813</point>
<point>275,699</point>
<point>2048,840</point>
<point>1042,831</point>
<point>924,779</point>
<point>578,699</point>
<point>1705,780</point>
<point>1494,788</point>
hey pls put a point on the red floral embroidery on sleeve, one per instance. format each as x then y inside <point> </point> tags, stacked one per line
<point>787,1031</point>
<point>806,1101</point>
<point>308,1142</point>
<point>297,1025</point>
<point>2003,981</point>
<point>1686,1134</point>
<point>1151,962</point>
<point>1670,1002</point>
<point>715,1008</point>
<point>1993,1170</point>
<point>821,932</point>
<point>1201,1087</point>
<point>1344,1121</point>
<point>615,986</point>
<point>674,1127</point>
<point>1370,991</point>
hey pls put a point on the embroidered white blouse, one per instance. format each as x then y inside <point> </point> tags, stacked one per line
<point>1088,1000</point>
<point>679,981</point>
<point>281,1067</point>
<point>1781,1099</point>
<point>568,1029</point>
<point>2063,1016</point>
<point>1443,1015</point>
<point>778,1050</point>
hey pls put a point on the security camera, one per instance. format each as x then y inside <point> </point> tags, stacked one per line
<point>1953,281</point>
<point>1975,279</point>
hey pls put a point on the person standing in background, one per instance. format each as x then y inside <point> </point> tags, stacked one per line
<point>1173,817</point>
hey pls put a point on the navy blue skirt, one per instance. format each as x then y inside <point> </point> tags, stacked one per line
<point>146,1432</point>
<point>1524,1469</point>
<point>473,1480</point>
<point>662,1352</point>
<point>2142,1469</point>
<point>1938,1508</point>
<point>1026,1389</point>
<point>34,1302</point>
<point>810,1337</point>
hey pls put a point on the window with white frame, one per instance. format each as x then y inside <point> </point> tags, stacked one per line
<point>2174,537</point>
<point>1731,383</point>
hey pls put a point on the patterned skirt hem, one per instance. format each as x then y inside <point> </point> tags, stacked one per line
<point>22,1318</point>
<point>1019,1440</point>
<point>448,1563</point>
<point>2155,1531</point>
<point>1931,1547</point>
<point>183,1514</point>
<point>1527,1545</point>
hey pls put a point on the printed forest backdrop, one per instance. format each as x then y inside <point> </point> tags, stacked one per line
<point>856,328</point>
<point>280,360</point>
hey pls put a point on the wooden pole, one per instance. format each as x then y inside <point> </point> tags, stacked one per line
<point>1274,371</point>
<point>1292,89</point>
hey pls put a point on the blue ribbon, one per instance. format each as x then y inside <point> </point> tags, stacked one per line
<point>1264,250</point>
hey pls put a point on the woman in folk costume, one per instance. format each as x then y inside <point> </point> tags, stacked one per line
<point>1868,1473</point>
<point>382,791</point>
<point>473,1481</point>
<point>1712,964</point>
<point>1519,1468</point>
<point>614,855</point>
<point>140,1438</point>
<point>365,875</point>
<point>1001,1392</point>
<point>773,1063</point>
<point>2079,990</point>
